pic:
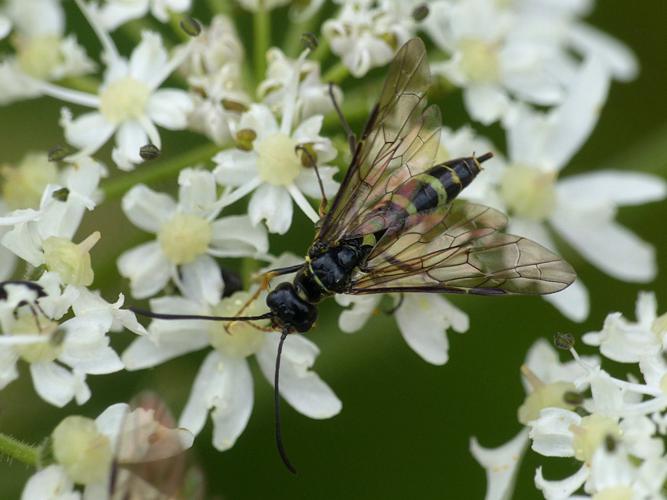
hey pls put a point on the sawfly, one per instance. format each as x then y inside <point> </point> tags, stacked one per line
<point>395,225</point>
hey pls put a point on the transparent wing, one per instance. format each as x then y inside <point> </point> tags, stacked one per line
<point>400,140</point>
<point>462,250</point>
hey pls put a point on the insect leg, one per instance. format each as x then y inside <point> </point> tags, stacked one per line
<point>313,163</point>
<point>276,406</point>
<point>395,307</point>
<point>351,137</point>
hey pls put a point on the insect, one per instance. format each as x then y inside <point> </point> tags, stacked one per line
<point>395,224</point>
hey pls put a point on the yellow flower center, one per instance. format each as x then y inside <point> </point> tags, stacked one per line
<point>545,396</point>
<point>278,162</point>
<point>184,238</point>
<point>43,352</point>
<point>615,493</point>
<point>83,451</point>
<point>479,60</point>
<point>590,434</point>
<point>38,56</point>
<point>238,339</point>
<point>24,184</point>
<point>124,99</point>
<point>70,260</point>
<point>529,192</point>
<point>659,326</point>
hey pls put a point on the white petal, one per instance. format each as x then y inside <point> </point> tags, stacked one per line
<point>486,103</point>
<point>148,209</point>
<point>613,186</point>
<point>8,371</point>
<point>50,483</point>
<point>551,432</point>
<point>272,204</point>
<point>501,465</point>
<point>301,387</point>
<point>224,385</point>
<point>234,167</point>
<point>573,302</point>
<point>169,108</point>
<point>237,236</point>
<point>196,191</point>
<point>424,319</point>
<point>609,246</point>
<point>559,490</point>
<point>201,280</point>
<point>130,137</point>
<point>112,14</point>
<point>110,421</point>
<point>5,26</point>
<point>88,132</point>
<point>573,121</point>
<point>148,58</point>
<point>358,310</point>
<point>53,383</point>
<point>147,268</point>
<point>145,353</point>
<point>25,242</point>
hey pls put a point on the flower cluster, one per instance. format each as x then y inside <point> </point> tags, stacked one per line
<point>613,427</point>
<point>260,136</point>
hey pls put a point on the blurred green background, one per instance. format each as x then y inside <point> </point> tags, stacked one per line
<point>405,426</point>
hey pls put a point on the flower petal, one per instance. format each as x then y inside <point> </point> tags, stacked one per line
<point>424,320</point>
<point>8,371</point>
<point>272,204</point>
<point>358,310</point>
<point>50,483</point>
<point>301,387</point>
<point>608,245</point>
<point>147,268</point>
<point>169,108</point>
<point>501,465</point>
<point>225,385</point>
<point>201,280</point>
<point>147,209</point>
<point>617,187</point>
<point>148,58</point>
<point>573,302</point>
<point>88,131</point>
<point>557,490</point>
<point>53,383</point>
<point>130,137</point>
<point>486,103</point>
<point>196,191</point>
<point>237,236</point>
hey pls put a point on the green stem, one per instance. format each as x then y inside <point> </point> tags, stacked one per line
<point>13,448</point>
<point>292,43</point>
<point>82,83</point>
<point>336,73</point>
<point>175,23</point>
<point>219,6</point>
<point>323,49</point>
<point>116,187</point>
<point>262,29</point>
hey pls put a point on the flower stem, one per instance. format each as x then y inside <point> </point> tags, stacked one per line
<point>116,187</point>
<point>336,74</point>
<point>13,448</point>
<point>262,28</point>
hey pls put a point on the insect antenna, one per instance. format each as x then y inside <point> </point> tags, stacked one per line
<point>485,157</point>
<point>154,315</point>
<point>276,406</point>
<point>351,136</point>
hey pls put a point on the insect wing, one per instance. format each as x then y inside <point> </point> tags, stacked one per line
<point>400,140</point>
<point>150,456</point>
<point>464,252</point>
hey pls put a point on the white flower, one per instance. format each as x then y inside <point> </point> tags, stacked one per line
<point>272,167</point>
<point>422,318</point>
<point>60,355</point>
<point>581,208</point>
<point>42,49</point>
<point>366,34</point>
<point>224,383</point>
<point>85,451</point>
<point>189,235</point>
<point>5,26</point>
<point>217,46</point>
<point>312,95</point>
<point>129,101</point>
<point>113,13</point>
<point>631,342</point>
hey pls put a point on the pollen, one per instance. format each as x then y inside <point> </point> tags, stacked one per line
<point>83,451</point>
<point>278,161</point>
<point>479,60</point>
<point>44,352</point>
<point>529,192</point>
<point>124,99</point>
<point>184,238</point>
<point>71,260</point>
<point>24,183</point>
<point>591,433</point>
<point>238,339</point>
